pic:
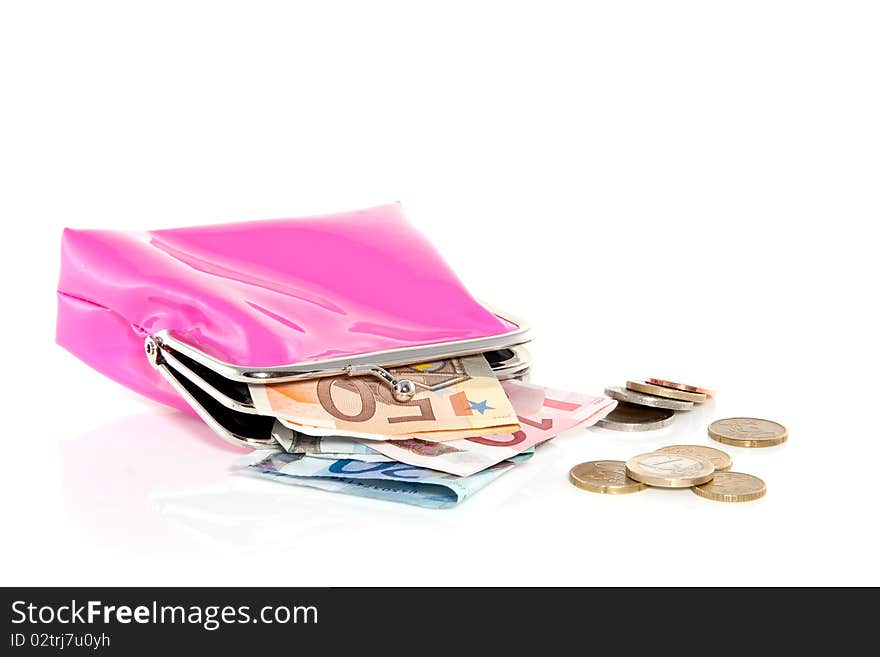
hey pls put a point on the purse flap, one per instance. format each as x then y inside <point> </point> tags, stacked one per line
<point>286,291</point>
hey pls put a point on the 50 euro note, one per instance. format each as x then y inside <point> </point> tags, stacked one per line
<point>457,395</point>
<point>395,482</point>
<point>542,412</point>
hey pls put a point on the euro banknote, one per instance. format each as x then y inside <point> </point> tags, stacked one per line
<point>457,394</point>
<point>395,482</point>
<point>542,413</point>
<point>366,458</point>
<point>439,436</point>
<point>335,448</point>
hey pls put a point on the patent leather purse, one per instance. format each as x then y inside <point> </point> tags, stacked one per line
<point>191,316</point>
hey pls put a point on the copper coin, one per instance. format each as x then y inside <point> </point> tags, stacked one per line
<point>666,383</point>
<point>632,417</point>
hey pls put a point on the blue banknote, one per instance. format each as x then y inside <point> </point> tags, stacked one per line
<point>394,481</point>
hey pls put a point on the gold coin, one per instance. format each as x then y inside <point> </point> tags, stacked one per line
<point>669,470</point>
<point>721,460</point>
<point>732,487</point>
<point>604,477</point>
<point>669,393</point>
<point>680,386</point>
<point>748,432</point>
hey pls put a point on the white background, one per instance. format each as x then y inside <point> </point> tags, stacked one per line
<point>680,189</point>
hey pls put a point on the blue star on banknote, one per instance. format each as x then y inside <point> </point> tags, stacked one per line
<point>482,406</point>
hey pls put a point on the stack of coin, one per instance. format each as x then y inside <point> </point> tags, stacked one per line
<point>705,470</point>
<point>650,404</point>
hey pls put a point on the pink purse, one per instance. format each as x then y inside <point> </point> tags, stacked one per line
<point>190,316</point>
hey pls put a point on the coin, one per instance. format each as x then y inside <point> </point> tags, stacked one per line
<point>669,470</point>
<point>732,487</point>
<point>622,394</point>
<point>666,383</point>
<point>604,477</point>
<point>721,460</point>
<point>669,393</point>
<point>748,432</point>
<point>632,417</point>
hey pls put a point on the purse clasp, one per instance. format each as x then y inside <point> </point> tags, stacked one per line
<point>402,389</point>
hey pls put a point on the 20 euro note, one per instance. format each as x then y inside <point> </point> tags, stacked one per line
<point>542,412</point>
<point>457,394</point>
<point>395,482</point>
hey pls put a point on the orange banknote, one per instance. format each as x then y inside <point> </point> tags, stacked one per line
<point>457,395</point>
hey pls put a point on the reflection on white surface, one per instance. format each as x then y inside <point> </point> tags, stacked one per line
<point>113,474</point>
<point>150,499</point>
<point>151,481</point>
<point>142,481</point>
<point>165,483</point>
<point>162,484</point>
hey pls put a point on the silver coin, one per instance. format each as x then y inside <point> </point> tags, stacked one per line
<point>622,394</point>
<point>632,417</point>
